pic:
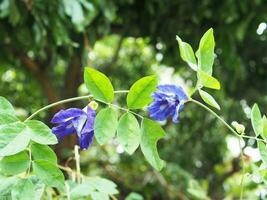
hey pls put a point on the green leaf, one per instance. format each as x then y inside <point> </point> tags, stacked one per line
<point>6,107</point>
<point>92,185</point>
<point>151,133</point>
<point>43,152</point>
<point>7,119</point>
<point>187,53</point>
<point>140,92</point>
<point>208,81</point>
<point>129,133</point>
<point>209,99</point>
<point>105,125</point>
<point>263,151</point>
<point>134,196</point>
<point>15,164</point>
<point>13,138</point>
<point>264,124</point>
<point>39,187</point>
<point>40,133</point>
<point>99,196</point>
<point>205,53</point>
<point>99,85</point>
<point>6,184</point>
<point>256,120</point>
<point>23,190</point>
<point>49,173</point>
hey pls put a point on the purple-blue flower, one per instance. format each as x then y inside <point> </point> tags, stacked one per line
<point>75,120</point>
<point>168,102</point>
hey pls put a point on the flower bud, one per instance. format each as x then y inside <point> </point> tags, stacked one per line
<point>240,128</point>
<point>93,105</point>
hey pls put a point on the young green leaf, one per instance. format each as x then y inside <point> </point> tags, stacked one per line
<point>264,124</point>
<point>205,53</point>
<point>187,53</point>
<point>6,184</point>
<point>6,107</point>
<point>40,133</point>
<point>209,99</point>
<point>140,92</point>
<point>263,151</point>
<point>49,173</point>
<point>99,196</point>
<point>7,119</point>
<point>13,138</point>
<point>105,125</point>
<point>15,164</point>
<point>98,84</point>
<point>43,152</point>
<point>151,133</point>
<point>208,81</point>
<point>23,190</point>
<point>256,120</point>
<point>129,133</point>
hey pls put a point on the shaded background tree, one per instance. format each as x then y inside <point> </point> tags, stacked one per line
<point>46,44</point>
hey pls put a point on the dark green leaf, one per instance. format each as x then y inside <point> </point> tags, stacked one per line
<point>49,173</point>
<point>209,99</point>
<point>43,152</point>
<point>205,53</point>
<point>105,125</point>
<point>151,133</point>
<point>256,120</point>
<point>140,92</point>
<point>129,133</point>
<point>99,85</point>
<point>15,164</point>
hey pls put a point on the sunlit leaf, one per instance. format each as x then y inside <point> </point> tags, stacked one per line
<point>98,84</point>
<point>208,81</point>
<point>40,133</point>
<point>23,190</point>
<point>151,133</point>
<point>15,164</point>
<point>105,125</point>
<point>14,138</point>
<point>187,53</point>
<point>49,173</point>
<point>209,99</point>
<point>129,133</point>
<point>140,92</point>
<point>6,107</point>
<point>256,120</point>
<point>205,53</point>
<point>263,151</point>
<point>43,152</point>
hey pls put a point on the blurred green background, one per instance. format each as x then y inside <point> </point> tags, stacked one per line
<point>44,46</point>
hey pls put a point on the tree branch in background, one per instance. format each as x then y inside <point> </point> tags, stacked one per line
<point>43,78</point>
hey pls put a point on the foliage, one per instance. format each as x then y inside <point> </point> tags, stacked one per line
<point>45,44</point>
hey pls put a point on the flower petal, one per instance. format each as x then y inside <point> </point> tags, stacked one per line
<point>160,111</point>
<point>178,109</point>
<point>66,115</point>
<point>173,89</point>
<point>86,139</point>
<point>63,130</point>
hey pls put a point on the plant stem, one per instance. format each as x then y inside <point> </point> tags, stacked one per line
<point>77,160</point>
<point>70,100</point>
<point>223,121</point>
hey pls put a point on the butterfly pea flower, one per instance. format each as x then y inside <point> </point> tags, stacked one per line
<point>168,101</point>
<point>75,120</point>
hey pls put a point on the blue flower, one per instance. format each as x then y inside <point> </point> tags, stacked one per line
<point>75,120</point>
<point>168,102</point>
